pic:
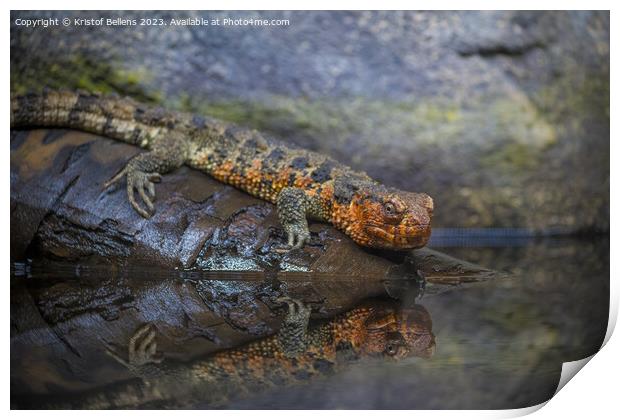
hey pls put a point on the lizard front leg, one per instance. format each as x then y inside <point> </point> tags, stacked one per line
<point>292,335</point>
<point>294,206</point>
<point>144,170</point>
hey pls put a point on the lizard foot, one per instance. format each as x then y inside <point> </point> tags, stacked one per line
<point>142,350</point>
<point>140,181</point>
<point>294,305</point>
<point>296,240</point>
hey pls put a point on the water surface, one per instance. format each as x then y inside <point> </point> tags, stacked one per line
<point>496,344</point>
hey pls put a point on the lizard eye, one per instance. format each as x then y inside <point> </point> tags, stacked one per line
<point>391,350</point>
<point>390,209</point>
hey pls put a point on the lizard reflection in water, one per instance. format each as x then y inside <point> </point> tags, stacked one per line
<point>375,329</point>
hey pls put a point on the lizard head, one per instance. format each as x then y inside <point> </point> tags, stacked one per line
<point>399,333</point>
<point>391,219</point>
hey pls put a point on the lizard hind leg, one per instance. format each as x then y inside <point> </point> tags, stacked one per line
<point>144,170</point>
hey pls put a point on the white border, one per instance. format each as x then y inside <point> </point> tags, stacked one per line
<point>593,394</point>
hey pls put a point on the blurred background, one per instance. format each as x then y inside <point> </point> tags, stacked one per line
<point>502,117</point>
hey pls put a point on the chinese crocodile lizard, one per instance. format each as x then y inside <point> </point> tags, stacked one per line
<point>301,183</point>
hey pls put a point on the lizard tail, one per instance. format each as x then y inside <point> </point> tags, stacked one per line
<point>111,116</point>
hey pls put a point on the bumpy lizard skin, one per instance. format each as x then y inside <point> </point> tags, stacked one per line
<point>301,183</point>
<point>295,355</point>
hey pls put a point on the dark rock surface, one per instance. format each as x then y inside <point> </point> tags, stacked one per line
<point>492,113</point>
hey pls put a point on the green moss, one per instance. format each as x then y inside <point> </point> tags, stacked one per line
<point>284,116</point>
<point>565,97</point>
<point>321,117</point>
<point>80,72</point>
<point>436,112</point>
<point>518,131</point>
<point>512,155</point>
<point>250,114</point>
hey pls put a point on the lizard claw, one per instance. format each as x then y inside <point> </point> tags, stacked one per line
<point>142,182</point>
<point>142,349</point>
<point>154,177</point>
<point>112,352</point>
<point>296,240</point>
<point>115,179</point>
<point>294,305</point>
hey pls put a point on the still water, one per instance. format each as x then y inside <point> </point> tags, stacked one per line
<point>487,345</point>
